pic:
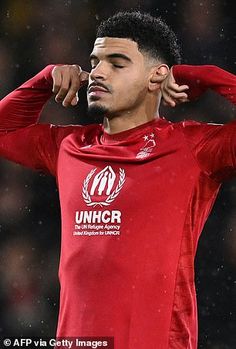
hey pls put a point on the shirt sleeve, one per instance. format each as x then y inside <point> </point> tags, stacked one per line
<point>36,146</point>
<point>22,139</point>
<point>214,148</point>
<point>212,145</point>
<point>203,77</point>
<point>23,106</point>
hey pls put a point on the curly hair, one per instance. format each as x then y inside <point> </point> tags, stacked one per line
<point>153,36</point>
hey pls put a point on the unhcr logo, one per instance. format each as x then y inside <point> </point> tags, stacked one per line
<point>102,184</point>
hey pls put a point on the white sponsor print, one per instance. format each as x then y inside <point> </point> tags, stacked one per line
<point>106,185</point>
<point>148,147</point>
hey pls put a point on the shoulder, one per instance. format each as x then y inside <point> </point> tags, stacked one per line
<point>85,134</point>
<point>196,132</point>
<point>91,128</point>
<point>193,124</point>
<point>197,129</point>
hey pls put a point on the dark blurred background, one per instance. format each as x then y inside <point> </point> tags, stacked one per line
<point>36,33</point>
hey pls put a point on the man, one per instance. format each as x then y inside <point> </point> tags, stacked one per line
<point>136,191</point>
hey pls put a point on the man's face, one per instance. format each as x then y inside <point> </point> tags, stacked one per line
<point>118,81</point>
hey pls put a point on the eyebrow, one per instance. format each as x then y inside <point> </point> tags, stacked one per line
<point>113,55</point>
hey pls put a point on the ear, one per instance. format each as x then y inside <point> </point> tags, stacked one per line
<point>158,75</point>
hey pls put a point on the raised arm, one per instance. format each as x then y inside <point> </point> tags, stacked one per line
<point>195,80</point>
<point>24,141</point>
<point>212,145</point>
<point>23,106</point>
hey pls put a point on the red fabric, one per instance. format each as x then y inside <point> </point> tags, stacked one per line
<point>203,77</point>
<point>133,206</point>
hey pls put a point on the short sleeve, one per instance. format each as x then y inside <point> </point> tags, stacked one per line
<point>214,148</point>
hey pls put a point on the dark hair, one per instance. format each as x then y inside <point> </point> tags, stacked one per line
<point>152,34</point>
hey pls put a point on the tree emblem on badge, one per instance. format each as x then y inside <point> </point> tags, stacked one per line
<point>103,183</point>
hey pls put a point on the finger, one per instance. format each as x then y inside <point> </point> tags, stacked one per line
<point>65,83</point>
<point>179,101</point>
<point>72,91</point>
<point>75,100</point>
<point>168,99</point>
<point>76,82</point>
<point>164,103</point>
<point>174,86</point>
<point>177,88</point>
<point>176,95</point>
<point>81,74</point>
<point>182,100</point>
<point>84,77</point>
<point>78,67</point>
<point>56,77</point>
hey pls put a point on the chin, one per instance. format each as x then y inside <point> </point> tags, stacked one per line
<point>97,111</point>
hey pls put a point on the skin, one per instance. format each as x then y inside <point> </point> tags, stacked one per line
<point>126,82</point>
<point>133,83</point>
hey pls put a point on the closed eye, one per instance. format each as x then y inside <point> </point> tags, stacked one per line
<point>117,66</point>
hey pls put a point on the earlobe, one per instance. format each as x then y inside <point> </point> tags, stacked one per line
<point>158,75</point>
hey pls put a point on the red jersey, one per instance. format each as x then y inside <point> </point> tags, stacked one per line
<point>133,206</point>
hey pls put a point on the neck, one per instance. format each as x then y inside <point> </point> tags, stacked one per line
<point>131,118</point>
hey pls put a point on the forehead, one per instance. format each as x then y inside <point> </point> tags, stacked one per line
<point>108,45</point>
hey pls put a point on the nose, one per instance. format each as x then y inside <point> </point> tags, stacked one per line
<point>99,72</point>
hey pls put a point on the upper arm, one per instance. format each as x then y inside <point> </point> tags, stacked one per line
<point>35,146</point>
<point>199,78</point>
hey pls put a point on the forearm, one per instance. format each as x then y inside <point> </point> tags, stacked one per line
<point>23,106</point>
<point>199,78</point>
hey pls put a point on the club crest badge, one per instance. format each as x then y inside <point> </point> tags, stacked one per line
<point>148,147</point>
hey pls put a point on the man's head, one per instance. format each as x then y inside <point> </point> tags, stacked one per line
<point>130,59</point>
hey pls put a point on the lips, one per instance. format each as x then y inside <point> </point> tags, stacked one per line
<point>96,88</point>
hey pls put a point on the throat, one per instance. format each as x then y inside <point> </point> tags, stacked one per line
<point>125,122</point>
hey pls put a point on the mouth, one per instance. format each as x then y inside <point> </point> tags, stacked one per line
<point>96,90</point>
